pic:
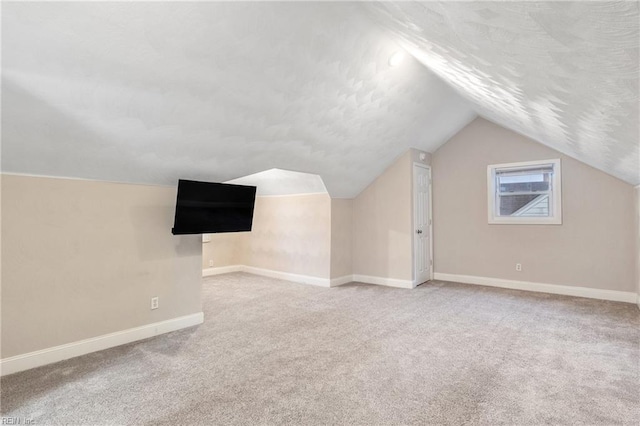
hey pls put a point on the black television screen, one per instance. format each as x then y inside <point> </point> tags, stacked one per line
<point>207,207</point>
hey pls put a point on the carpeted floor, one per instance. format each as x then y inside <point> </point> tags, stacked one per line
<point>276,352</point>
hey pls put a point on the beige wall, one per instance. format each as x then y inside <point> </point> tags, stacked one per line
<point>315,235</point>
<point>592,248</point>
<point>1,261</point>
<point>341,237</point>
<point>82,259</point>
<point>382,224</point>
<point>291,234</point>
<point>638,242</point>
<point>225,249</point>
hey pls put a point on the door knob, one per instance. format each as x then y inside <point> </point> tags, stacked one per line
<point>419,231</point>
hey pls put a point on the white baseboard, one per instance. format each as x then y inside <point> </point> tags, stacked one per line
<point>389,282</point>
<point>591,293</point>
<point>35,359</point>
<point>221,270</point>
<point>307,279</point>
<point>302,279</point>
<point>286,276</point>
<point>335,282</point>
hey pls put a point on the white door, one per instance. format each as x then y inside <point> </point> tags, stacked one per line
<point>421,223</point>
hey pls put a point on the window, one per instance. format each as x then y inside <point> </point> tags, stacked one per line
<point>525,193</point>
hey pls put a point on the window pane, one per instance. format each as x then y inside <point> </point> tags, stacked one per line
<point>534,182</point>
<point>521,178</point>
<point>525,192</point>
<point>524,205</point>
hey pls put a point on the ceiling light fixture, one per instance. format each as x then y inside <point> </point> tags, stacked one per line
<point>396,59</point>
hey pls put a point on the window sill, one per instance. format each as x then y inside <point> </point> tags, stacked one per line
<point>523,221</point>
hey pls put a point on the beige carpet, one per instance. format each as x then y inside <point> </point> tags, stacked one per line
<point>272,352</point>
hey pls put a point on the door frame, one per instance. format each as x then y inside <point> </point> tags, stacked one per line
<point>413,220</point>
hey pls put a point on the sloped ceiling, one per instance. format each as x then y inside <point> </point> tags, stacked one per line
<point>149,92</point>
<point>152,92</point>
<point>562,73</point>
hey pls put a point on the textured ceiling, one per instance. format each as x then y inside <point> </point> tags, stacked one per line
<point>282,182</point>
<point>152,92</point>
<point>562,73</point>
<point>149,92</point>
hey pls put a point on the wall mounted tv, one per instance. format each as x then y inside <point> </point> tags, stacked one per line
<point>207,208</point>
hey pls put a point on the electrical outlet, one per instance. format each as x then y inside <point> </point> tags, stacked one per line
<point>210,263</point>
<point>154,302</point>
<point>519,267</point>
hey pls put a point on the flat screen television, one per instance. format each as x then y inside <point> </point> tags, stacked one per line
<point>208,207</point>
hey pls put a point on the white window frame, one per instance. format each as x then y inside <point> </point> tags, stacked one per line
<point>556,195</point>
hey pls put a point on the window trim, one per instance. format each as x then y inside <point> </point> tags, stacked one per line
<point>556,195</point>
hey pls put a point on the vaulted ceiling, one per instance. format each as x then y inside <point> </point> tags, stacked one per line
<point>563,73</point>
<point>151,92</point>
